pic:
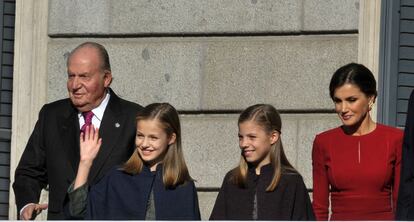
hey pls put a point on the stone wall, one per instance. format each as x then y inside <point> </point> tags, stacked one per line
<point>211,59</point>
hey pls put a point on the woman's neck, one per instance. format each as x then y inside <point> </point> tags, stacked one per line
<point>366,126</point>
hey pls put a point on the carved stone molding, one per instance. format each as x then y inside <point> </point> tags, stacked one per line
<point>29,78</point>
<point>369,37</point>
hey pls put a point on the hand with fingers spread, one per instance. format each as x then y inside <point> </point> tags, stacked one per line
<point>89,147</point>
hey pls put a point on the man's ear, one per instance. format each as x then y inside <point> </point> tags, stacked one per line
<point>107,78</point>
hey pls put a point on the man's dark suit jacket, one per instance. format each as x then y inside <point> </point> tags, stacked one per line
<point>405,204</point>
<point>51,156</point>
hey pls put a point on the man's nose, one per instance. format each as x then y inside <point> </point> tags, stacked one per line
<point>75,83</point>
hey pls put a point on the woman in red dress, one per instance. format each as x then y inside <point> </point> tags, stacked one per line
<point>356,167</point>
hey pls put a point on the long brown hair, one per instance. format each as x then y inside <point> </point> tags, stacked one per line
<point>175,171</point>
<point>267,117</point>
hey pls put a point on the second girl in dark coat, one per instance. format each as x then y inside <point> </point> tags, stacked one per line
<point>264,186</point>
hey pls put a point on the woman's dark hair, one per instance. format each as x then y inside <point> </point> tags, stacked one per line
<point>267,117</point>
<point>356,74</point>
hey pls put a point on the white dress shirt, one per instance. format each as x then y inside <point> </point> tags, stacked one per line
<point>98,113</point>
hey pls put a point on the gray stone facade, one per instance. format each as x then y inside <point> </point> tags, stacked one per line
<point>211,59</point>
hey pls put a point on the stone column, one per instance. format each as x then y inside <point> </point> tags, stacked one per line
<point>369,37</point>
<point>29,79</point>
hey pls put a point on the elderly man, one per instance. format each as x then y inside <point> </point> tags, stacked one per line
<point>51,156</point>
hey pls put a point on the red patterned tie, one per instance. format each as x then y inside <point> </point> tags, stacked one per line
<point>87,116</point>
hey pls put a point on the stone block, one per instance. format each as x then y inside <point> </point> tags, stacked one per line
<point>111,17</point>
<point>206,201</point>
<point>210,145</point>
<point>332,15</point>
<point>217,73</point>
<point>288,72</point>
<point>181,17</point>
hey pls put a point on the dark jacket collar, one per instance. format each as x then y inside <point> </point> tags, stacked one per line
<point>268,168</point>
<point>147,172</point>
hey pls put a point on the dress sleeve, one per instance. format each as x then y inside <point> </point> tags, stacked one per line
<point>219,209</point>
<point>320,182</point>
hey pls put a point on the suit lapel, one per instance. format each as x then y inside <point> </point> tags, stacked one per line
<point>109,131</point>
<point>70,138</point>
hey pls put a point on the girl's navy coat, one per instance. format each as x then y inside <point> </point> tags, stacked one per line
<point>122,196</point>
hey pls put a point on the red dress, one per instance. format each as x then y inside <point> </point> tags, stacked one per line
<point>363,173</point>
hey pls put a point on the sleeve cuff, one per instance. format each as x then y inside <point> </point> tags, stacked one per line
<point>77,200</point>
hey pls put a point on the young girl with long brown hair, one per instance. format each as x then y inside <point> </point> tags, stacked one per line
<point>154,184</point>
<point>264,186</point>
